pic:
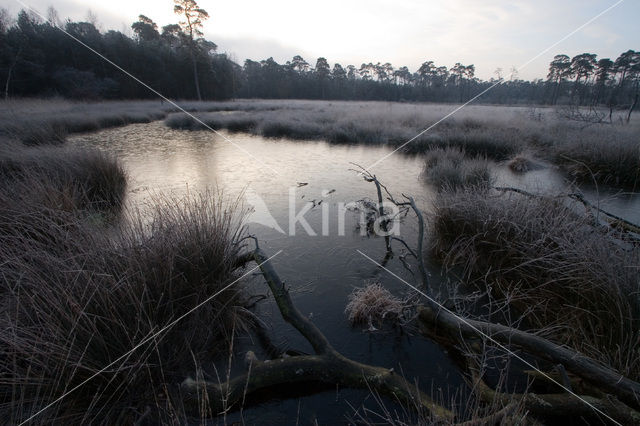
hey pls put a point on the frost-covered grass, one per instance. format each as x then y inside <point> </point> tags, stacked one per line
<point>372,304</point>
<point>495,132</point>
<point>39,122</point>
<point>48,121</point>
<point>603,155</point>
<point>607,152</point>
<point>480,130</point>
<point>451,168</point>
<point>522,163</point>
<point>542,256</point>
<point>62,178</point>
<point>76,298</point>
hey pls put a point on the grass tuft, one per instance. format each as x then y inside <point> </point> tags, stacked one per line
<point>450,168</point>
<point>373,304</point>
<point>577,283</point>
<point>608,157</point>
<point>74,299</point>
<point>521,163</point>
<point>61,177</point>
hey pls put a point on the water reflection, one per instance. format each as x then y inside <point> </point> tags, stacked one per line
<point>321,270</point>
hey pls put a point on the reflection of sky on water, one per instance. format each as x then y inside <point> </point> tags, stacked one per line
<point>321,270</point>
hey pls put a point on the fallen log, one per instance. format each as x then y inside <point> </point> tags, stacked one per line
<point>611,219</point>
<point>327,366</point>
<point>434,320</point>
<point>442,325</point>
<point>557,406</point>
<point>620,397</point>
<point>548,406</point>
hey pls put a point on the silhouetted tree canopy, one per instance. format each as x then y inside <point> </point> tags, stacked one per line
<point>37,59</point>
<point>145,29</point>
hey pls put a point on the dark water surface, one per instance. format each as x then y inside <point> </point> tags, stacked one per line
<point>321,270</point>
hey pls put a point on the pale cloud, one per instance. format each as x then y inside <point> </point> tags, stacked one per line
<point>598,32</point>
<point>241,48</point>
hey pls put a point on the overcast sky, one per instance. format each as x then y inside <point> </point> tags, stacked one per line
<point>486,33</point>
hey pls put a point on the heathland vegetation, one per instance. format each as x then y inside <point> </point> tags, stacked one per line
<point>602,152</point>
<point>83,281</point>
<point>98,295</point>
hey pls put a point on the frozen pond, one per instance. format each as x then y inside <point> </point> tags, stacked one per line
<point>319,262</point>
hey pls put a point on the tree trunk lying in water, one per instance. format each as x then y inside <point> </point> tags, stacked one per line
<point>452,331</point>
<point>610,395</point>
<point>617,394</point>
<point>327,366</point>
<point>434,322</point>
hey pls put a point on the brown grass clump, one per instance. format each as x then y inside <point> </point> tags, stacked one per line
<point>521,164</point>
<point>577,282</point>
<point>373,304</point>
<point>74,299</point>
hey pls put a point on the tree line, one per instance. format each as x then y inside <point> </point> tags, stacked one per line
<point>581,80</point>
<point>36,59</point>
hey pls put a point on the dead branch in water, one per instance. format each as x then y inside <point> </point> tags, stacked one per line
<point>408,204</point>
<point>383,223</point>
<point>560,405</point>
<point>585,403</point>
<point>440,322</point>
<point>326,366</point>
<point>436,321</point>
<point>612,220</point>
<point>617,395</point>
